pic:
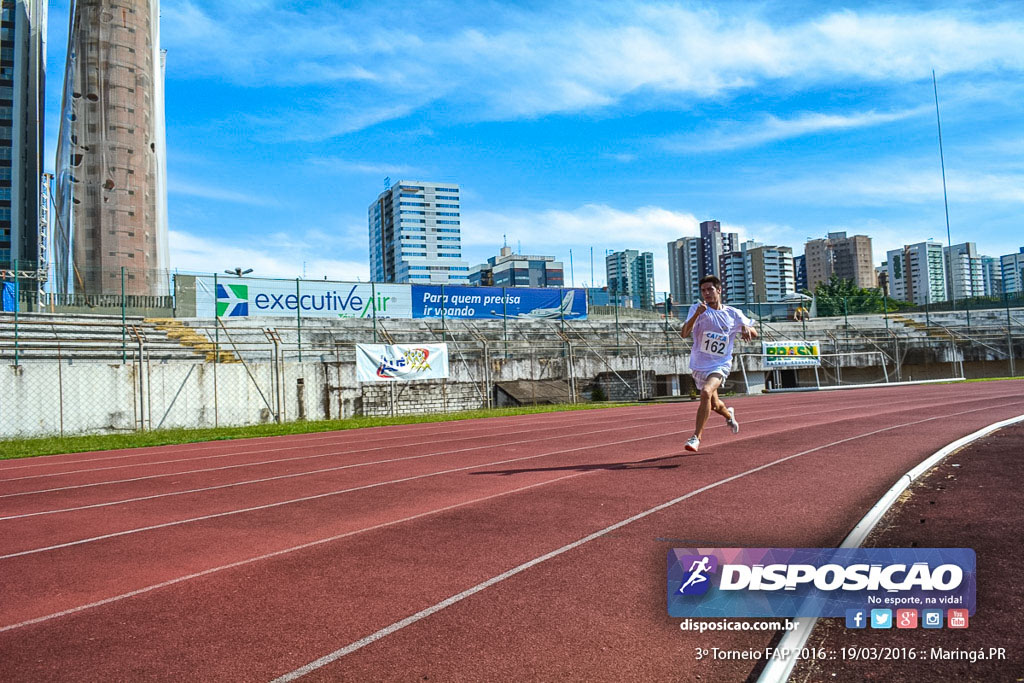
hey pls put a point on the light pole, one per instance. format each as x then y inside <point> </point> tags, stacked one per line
<point>239,272</point>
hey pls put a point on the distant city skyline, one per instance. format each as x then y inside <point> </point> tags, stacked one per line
<point>581,125</point>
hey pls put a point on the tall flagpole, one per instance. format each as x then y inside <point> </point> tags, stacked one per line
<point>945,198</point>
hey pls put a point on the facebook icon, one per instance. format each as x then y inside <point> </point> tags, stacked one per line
<point>856,618</point>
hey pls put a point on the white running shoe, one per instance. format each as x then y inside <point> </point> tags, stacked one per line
<point>692,444</point>
<point>733,424</point>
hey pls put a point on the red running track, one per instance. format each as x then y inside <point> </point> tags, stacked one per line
<point>530,547</point>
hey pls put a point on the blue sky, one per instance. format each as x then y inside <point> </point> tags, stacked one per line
<point>579,125</point>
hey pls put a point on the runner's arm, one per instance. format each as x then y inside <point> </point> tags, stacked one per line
<point>688,325</point>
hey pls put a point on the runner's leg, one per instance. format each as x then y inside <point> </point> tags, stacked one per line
<point>708,397</point>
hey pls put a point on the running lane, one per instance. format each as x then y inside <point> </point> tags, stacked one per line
<point>372,589</point>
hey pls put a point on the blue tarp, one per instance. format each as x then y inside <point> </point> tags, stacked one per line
<point>9,298</point>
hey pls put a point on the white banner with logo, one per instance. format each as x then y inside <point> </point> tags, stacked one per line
<point>245,297</point>
<point>791,354</point>
<point>402,362</point>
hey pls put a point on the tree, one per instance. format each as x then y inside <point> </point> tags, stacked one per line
<point>830,297</point>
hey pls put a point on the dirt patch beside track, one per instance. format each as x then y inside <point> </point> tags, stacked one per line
<point>972,499</point>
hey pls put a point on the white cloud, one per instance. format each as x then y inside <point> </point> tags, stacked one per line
<point>283,259</point>
<point>512,64</point>
<point>367,168</point>
<point>217,193</point>
<point>597,226</point>
<point>886,184</point>
<point>773,129</point>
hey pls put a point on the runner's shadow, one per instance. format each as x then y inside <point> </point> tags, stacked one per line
<point>647,464</point>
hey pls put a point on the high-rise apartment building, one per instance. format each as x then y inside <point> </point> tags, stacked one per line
<point>917,273</point>
<point>1012,267</point>
<point>992,274</point>
<point>800,271</point>
<point>757,272</point>
<point>111,195</point>
<point>516,270</point>
<point>631,275</point>
<point>684,269</point>
<point>769,273</point>
<point>416,234</point>
<point>714,243</point>
<point>964,275</point>
<point>732,267</point>
<point>848,258</point>
<point>22,70</point>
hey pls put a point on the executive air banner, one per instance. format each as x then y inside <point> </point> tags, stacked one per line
<point>402,362</point>
<point>251,297</point>
<point>551,303</point>
<point>791,354</point>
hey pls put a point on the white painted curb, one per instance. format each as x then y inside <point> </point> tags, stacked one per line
<point>778,671</point>
<point>908,383</point>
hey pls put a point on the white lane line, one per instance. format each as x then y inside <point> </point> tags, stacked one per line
<point>448,602</point>
<point>278,553</point>
<point>293,475</point>
<point>317,542</point>
<point>328,469</point>
<point>318,496</point>
<point>659,420</point>
<point>778,670</point>
<point>291,448</point>
<point>341,435</point>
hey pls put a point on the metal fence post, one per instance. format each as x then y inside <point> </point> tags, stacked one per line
<point>373,299</point>
<point>298,315</point>
<point>216,323</point>
<point>124,350</point>
<point>17,307</point>
<point>561,309</point>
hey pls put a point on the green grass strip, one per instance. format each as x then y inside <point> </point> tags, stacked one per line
<point>27,448</point>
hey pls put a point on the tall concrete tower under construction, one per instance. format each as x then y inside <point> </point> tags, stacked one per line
<point>111,230</point>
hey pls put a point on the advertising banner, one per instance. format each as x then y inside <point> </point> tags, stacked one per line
<point>791,354</point>
<point>401,362</point>
<point>428,301</point>
<point>236,297</point>
<point>820,582</point>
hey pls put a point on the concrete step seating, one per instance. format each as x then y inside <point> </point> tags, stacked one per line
<point>42,336</point>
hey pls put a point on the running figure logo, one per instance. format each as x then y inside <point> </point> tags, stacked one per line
<point>698,567</point>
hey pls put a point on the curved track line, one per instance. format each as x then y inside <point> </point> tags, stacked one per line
<point>779,670</point>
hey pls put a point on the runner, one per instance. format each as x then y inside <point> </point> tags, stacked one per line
<point>714,327</point>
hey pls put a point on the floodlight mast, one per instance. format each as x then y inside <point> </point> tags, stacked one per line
<point>945,199</point>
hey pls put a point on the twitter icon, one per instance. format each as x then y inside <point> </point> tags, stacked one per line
<point>881,618</point>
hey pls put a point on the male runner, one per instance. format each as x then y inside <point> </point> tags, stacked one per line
<point>714,327</point>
